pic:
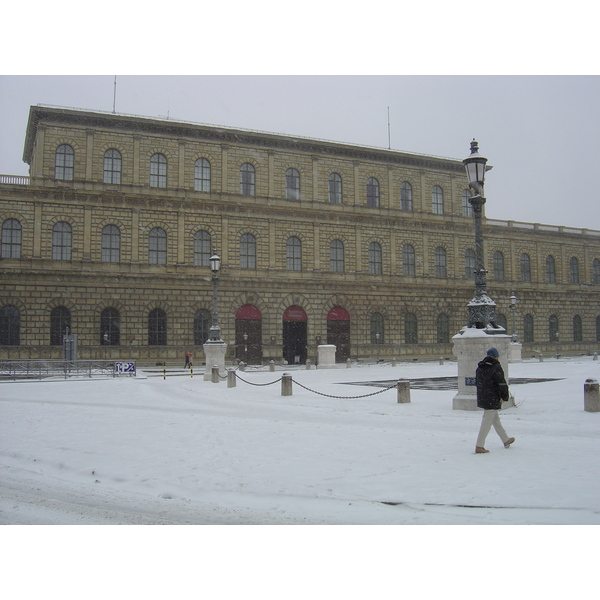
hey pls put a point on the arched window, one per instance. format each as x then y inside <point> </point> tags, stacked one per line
<point>292,184</point>
<point>61,241</point>
<point>437,200</point>
<point>553,335</point>
<point>111,244</point>
<point>11,239</point>
<point>550,269</point>
<point>375,259</point>
<point>64,160</point>
<point>293,254</point>
<point>202,324</point>
<point>377,329</point>
<point>443,329</point>
<point>501,320</point>
<point>202,252</point>
<point>408,260</point>
<point>411,334</point>
<point>372,193</point>
<point>467,208</point>
<point>596,271</point>
<point>470,263</point>
<point>577,329</point>
<point>10,326</point>
<point>440,262</point>
<point>247,251</point>
<point>335,188</point>
<point>157,246</point>
<point>112,166</point>
<point>110,327</point>
<point>406,202</point>
<point>158,171</point>
<point>498,266</point>
<point>247,180</point>
<point>157,327</point>
<point>525,267</point>
<point>528,329</point>
<point>574,269</point>
<point>60,323</point>
<point>336,256</point>
<point>202,175</point>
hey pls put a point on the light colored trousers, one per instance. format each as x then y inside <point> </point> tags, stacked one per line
<point>491,417</point>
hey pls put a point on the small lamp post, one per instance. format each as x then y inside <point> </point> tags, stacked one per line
<point>513,308</point>
<point>215,330</point>
<point>245,347</point>
<point>105,338</point>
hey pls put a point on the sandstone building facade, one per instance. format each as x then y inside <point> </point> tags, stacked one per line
<point>368,249</point>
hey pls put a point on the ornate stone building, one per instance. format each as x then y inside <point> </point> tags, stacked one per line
<point>368,249</point>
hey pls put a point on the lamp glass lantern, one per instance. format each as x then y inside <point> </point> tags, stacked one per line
<point>475,166</point>
<point>215,263</point>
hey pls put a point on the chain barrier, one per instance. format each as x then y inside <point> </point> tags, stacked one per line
<point>345,397</point>
<point>258,384</point>
<point>319,393</point>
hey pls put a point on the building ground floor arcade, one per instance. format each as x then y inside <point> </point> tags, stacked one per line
<point>162,318</point>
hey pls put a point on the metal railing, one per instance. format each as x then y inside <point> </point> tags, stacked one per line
<point>44,369</point>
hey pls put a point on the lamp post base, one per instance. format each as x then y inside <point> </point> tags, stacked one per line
<point>214,351</point>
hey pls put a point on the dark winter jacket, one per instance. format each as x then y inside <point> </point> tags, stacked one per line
<point>491,385</point>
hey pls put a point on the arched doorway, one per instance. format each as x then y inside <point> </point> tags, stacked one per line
<point>248,334</point>
<point>294,335</point>
<point>338,332</point>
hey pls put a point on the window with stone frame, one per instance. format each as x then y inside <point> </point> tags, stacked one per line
<point>498,266</point>
<point>11,239</point>
<point>293,254</point>
<point>406,199</point>
<point>158,171</point>
<point>112,166</point>
<point>292,184</point>
<point>550,269</point>
<point>157,246</point>
<point>372,192</point>
<point>437,200</point>
<point>247,180</point>
<point>62,239</point>
<point>440,262</point>
<point>336,256</point>
<point>64,163</point>
<point>375,259</point>
<point>335,188</point>
<point>408,261</point>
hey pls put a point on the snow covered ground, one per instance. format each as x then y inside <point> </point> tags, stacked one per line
<point>187,451</point>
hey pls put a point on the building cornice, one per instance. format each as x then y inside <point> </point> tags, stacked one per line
<point>224,135</point>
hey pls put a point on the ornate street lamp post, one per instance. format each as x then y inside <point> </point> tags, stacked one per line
<point>513,308</point>
<point>214,334</point>
<point>481,309</point>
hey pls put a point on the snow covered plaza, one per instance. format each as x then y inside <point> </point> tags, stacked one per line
<point>182,450</point>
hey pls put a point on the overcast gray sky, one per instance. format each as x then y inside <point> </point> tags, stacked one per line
<point>540,132</point>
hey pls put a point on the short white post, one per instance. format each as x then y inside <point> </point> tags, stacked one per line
<point>214,375</point>
<point>286,384</point>
<point>403,391</point>
<point>231,378</point>
<point>272,366</point>
<point>591,396</point>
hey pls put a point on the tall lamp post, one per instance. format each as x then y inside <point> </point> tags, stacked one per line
<point>214,334</point>
<point>481,309</point>
<point>473,340</point>
<point>513,308</point>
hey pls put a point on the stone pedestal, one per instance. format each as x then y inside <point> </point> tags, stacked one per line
<point>326,356</point>
<point>470,347</point>
<point>591,396</point>
<point>514,352</point>
<point>215,356</point>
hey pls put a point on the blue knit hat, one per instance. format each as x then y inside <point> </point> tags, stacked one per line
<point>493,352</point>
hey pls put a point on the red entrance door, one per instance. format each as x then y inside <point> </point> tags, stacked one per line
<point>338,332</point>
<point>294,335</point>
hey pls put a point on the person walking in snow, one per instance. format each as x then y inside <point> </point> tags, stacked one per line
<point>492,390</point>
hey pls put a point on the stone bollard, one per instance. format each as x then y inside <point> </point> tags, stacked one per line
<point>214,374</point>
<point>541,358</point>
<point>591,396</point>
<point>348,364</point>
<point>286,384</point>
<point>272,366</point>
<point>394,361</point>
<point>308,364</point>
<point>242,366</point>
<point>231,378</point>
<point>403,391</point>
<point>595,356</point>
<point>441,360</point>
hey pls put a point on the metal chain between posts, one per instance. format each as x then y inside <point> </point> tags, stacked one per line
<point>319,393</point>
<point>258,384</point>
<point>345,397</point>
